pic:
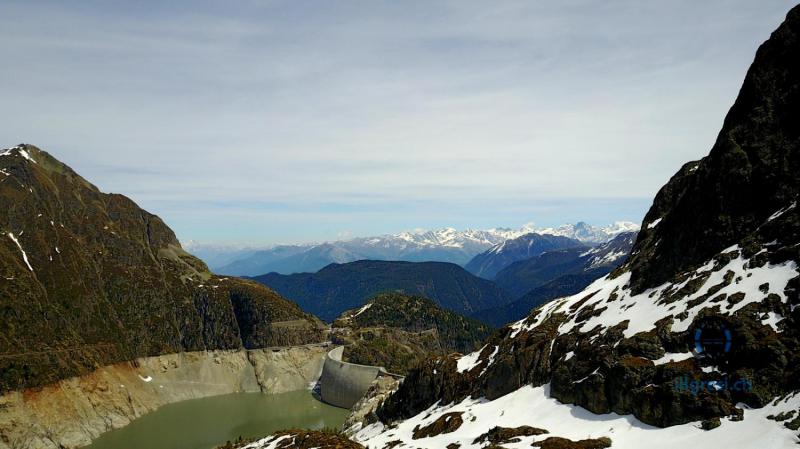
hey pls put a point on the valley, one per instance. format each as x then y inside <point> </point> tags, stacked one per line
<point>682,331</point>
<point>337,288</point>
<point>74,411</point>
<point>526,271</point>
<point>717,250</point>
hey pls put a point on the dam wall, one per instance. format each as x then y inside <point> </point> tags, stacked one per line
<point>72,412</point>
<point>342,384</point>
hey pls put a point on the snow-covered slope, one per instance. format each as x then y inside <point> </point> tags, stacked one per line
<point>693,342</point>
<point>611,253</point>
<point>732,274</point>
<point>534,406</point>
<point>609,362</point>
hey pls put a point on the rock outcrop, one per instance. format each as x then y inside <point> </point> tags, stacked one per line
<point>398,331</point>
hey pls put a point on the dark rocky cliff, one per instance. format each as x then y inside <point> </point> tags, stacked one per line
<point>718,250</point>
<point>89,279</point>
<point>751,171</point>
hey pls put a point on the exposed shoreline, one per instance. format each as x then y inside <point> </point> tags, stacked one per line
<point>72,412</point>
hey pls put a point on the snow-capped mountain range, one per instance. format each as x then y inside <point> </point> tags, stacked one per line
<point>488,263</point>
<point>454,238</point>
<point>591,234</point>
<point>442,245</point>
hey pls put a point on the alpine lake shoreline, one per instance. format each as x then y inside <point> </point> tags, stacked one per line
<point>74,412</point>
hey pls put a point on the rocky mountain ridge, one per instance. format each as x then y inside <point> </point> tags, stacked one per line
<point>339,287</point>
<point>556,274</point>
<point>89,279</point>
<point>490,262</point>
<point>695,340</point>
<point>522,276</point>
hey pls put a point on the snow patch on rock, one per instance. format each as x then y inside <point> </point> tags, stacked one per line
<point>24,255</point>
<point>469,361</point>
<point>363,309</point>
<point>673,357</point>
<point>654,223</point>
<point>20,150</point>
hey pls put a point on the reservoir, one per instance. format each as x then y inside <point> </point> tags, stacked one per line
<point>208,422</point>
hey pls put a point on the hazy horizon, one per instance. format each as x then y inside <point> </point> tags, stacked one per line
<point>270,122</point>
<point>347,236</point>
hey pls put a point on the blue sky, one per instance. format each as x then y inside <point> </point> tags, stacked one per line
<point>276,122</point>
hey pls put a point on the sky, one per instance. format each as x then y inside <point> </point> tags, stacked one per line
<point>268,122</point>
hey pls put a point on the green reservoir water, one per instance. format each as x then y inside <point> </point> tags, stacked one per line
<point>205,423</point>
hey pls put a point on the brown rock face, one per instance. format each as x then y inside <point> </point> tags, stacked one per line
<point>447,423</point>
<point>500,435</point>
<point>89,279</point>
<point>563,443</point>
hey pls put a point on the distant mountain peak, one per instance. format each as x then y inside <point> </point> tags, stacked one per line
<point>446,244</point>
<point>451,237</point>
<point>22,150</point>
<point>490,262</point>
<point>592,234</point>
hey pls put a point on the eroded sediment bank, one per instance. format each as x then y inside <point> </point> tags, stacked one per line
<point>72,412</point>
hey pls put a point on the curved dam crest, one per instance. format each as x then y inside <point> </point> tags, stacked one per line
<point>343,384</point>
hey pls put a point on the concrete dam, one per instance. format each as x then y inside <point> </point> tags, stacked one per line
<point>343,383</point>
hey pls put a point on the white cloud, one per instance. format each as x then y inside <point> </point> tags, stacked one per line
<point>361,106</point>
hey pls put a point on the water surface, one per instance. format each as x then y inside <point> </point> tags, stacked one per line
<point>208,422</point>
